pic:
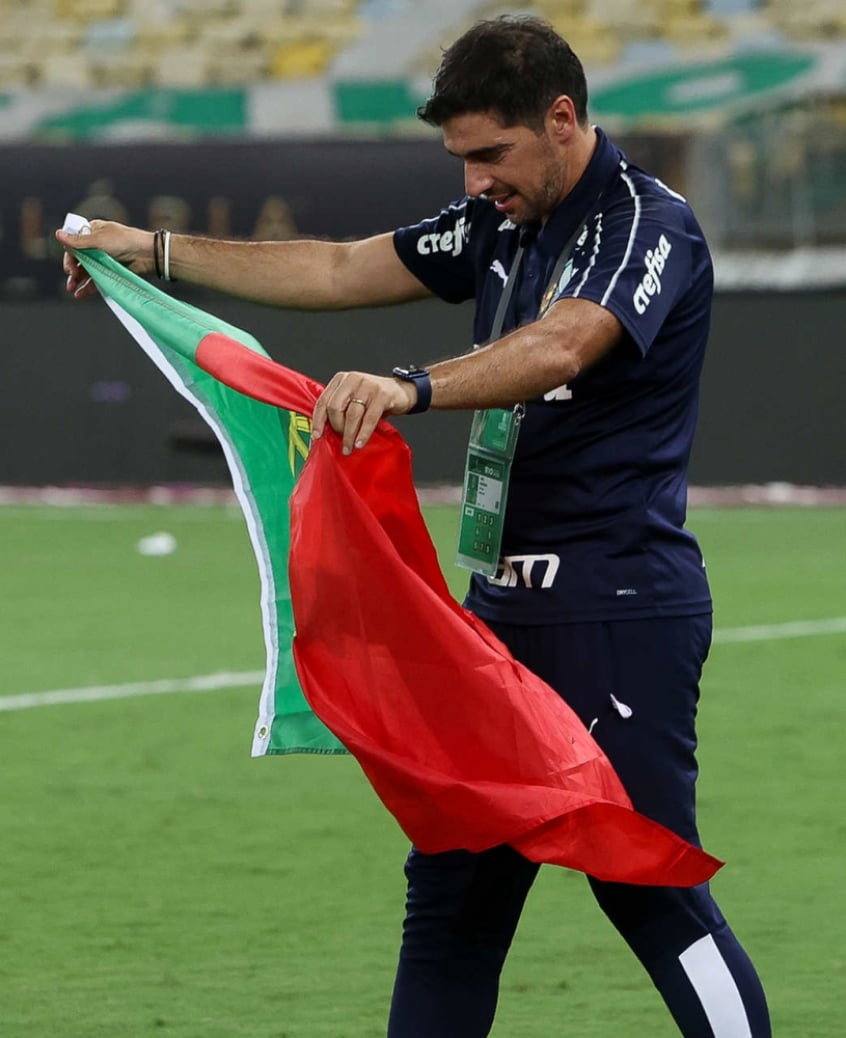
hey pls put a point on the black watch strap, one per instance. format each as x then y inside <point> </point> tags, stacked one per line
<point>420,378</point>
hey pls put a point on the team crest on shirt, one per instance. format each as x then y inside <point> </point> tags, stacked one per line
<point>557,287</point>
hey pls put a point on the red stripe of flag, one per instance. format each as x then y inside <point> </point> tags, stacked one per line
<point>465,746</point>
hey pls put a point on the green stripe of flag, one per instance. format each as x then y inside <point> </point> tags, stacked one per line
<point>265,447</point>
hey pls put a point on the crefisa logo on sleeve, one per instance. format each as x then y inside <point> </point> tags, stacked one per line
<point>449,241</point>
<point>655,260</point>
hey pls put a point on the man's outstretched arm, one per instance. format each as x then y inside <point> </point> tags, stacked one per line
<point>302,274</point>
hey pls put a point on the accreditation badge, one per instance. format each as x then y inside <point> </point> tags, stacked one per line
<point>487,471</point>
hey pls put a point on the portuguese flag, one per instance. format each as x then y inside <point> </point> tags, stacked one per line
<point>367,651</point>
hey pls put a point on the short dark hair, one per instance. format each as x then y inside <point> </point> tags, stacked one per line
<point>513,66</point>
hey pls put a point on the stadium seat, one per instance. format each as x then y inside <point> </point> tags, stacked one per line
<point>237,68</point>
<point>66,70</point>
<point>190,43</point>
<point>15,71</point>
<point>121,70</point>
<point>89,10</point>
<point>301,58</point>
<point>810,20</point>
<point>731,8</point>
<point>181,67</point>
<point>627,19</point>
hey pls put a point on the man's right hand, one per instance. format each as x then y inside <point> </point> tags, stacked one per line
<point>128,245</point>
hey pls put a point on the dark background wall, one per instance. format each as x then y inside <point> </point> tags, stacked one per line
<point>772,406</point>
<point>82,404</point>
<point>245,189</point>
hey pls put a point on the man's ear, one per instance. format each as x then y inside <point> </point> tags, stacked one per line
<point>561,118</point>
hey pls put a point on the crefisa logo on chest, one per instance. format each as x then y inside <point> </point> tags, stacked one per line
<point>655,261</point>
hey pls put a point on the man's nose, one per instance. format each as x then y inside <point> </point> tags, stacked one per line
<point>476,179</point>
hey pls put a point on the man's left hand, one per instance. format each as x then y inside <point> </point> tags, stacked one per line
<point>353,403</point>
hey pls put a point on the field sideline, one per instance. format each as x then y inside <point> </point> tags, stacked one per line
<point>159,881</point>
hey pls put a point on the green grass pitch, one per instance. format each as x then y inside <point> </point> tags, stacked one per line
<point>157,881</point>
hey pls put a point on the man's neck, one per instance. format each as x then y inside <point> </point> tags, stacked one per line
<point>584,149</point>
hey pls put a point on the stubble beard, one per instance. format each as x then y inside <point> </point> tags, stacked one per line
<point>539,206</point>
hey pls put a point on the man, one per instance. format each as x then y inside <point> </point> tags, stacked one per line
<point>593,287</point>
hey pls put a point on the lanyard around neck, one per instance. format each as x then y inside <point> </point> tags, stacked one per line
<point>507,292</point>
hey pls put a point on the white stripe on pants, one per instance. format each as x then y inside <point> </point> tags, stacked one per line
<point>707,971</point>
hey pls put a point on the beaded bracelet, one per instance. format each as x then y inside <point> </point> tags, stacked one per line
<point>166,250</point>
<point>161,254</point>
<point>156,239</point>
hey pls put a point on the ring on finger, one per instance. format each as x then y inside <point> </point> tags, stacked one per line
<point>355,400</point>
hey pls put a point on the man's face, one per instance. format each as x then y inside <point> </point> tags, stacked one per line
<point>522,172</point>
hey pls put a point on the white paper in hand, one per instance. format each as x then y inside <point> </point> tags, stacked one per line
<point>76,224</point>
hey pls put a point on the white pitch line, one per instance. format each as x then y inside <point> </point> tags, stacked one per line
<point>775,632</point>
<point>230,679</point>
<point>93,693</point>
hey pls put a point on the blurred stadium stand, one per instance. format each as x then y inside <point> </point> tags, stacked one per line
<point>130,43</point>
<point>747,97</point>
<point>174,43</point>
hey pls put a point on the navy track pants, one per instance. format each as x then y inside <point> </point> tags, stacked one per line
<point>635,683</point>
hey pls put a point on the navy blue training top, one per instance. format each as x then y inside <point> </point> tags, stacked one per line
<point>594,522</point>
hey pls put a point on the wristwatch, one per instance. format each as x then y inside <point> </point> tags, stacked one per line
<point>420,378</point>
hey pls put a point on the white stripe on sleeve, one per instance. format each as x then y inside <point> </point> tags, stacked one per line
<point>630,244</point>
